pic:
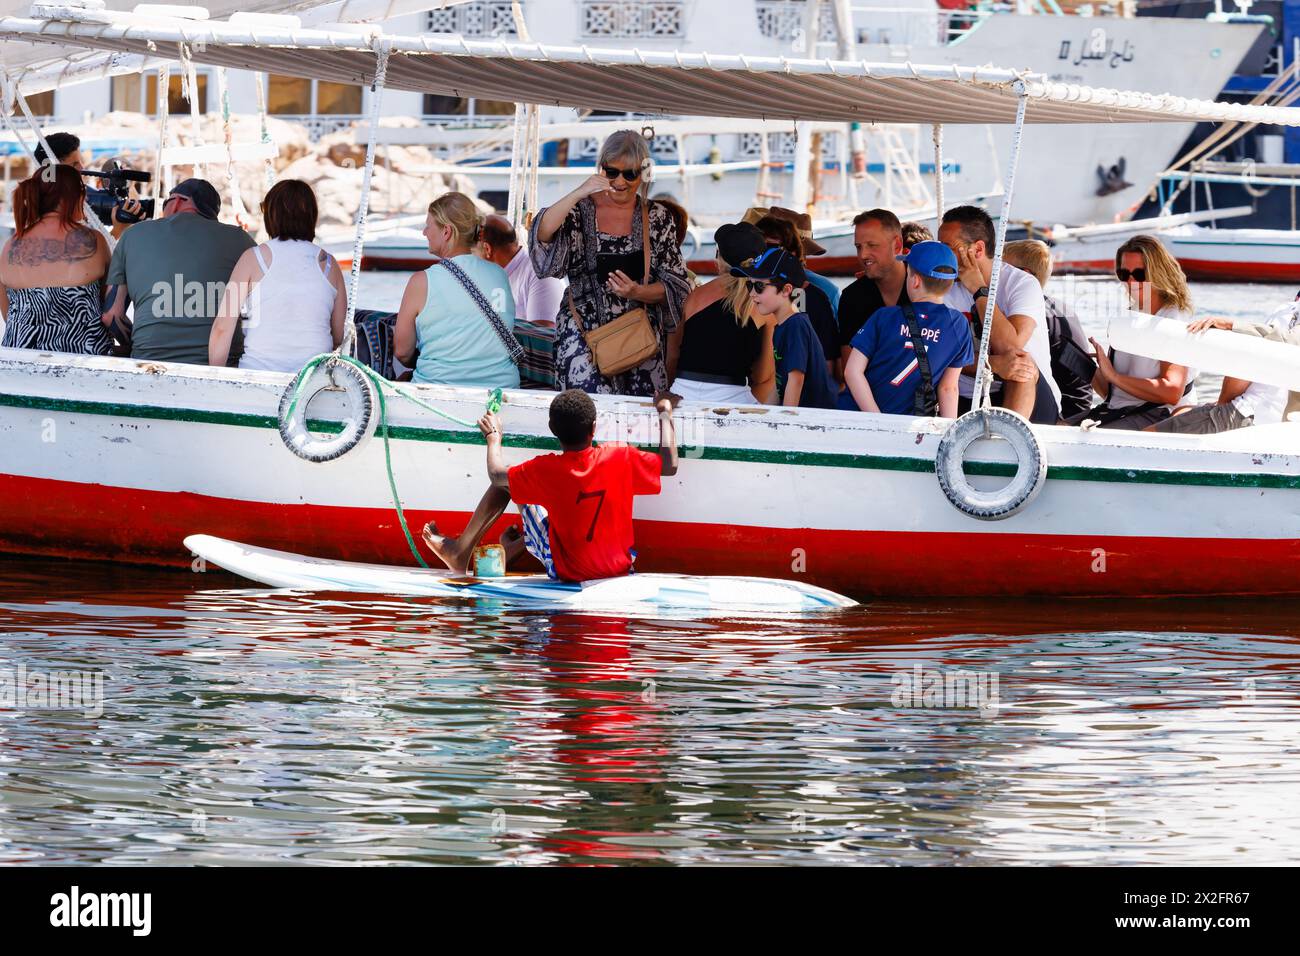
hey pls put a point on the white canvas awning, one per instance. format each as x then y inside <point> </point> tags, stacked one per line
<point>653,83</point>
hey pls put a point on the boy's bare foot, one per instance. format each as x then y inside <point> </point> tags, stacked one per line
<point>512,539</point>
<point>447,549</point>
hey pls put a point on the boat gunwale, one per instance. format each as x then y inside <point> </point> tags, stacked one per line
<point>1264,468</point>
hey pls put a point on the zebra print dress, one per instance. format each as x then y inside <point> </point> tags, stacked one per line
<point>57,319</point>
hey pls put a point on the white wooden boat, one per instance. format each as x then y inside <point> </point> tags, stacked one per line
<point>121,460</point>
<point>118,460</point>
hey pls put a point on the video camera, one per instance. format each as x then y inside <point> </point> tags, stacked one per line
<point>115,180</point>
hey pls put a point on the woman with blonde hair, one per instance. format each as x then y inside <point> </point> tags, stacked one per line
<point>598,237</point>
<point>459,313</point>
<point>722,351</point>
<point>1139,391</point>
<point>52,269</point>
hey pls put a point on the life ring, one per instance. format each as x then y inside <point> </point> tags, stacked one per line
<point>357,426</point>
<point>1031,464</point>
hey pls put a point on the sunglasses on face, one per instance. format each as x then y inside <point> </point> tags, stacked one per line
<point>757,286</point>
<point>613,172</point>
<point>1137,275</point>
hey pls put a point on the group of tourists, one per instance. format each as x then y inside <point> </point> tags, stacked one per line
<point>602,284</point>
<point>601,280</point>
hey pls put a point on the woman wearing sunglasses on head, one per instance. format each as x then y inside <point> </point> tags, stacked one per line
<point>627,281</point>
<point>1139,391</point>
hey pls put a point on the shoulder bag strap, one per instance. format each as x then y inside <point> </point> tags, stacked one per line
<point>645,237</point>
<point>507,337</point>
<point>926,402</point>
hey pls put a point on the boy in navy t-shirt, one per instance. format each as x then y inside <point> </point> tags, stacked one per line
<point>882,373</point>
<point>802,376</point>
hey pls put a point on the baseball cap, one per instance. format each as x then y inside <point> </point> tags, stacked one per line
<point>930,258</point>
<point>738,242</point>
<point>775,264</point>
<point>202,193</point>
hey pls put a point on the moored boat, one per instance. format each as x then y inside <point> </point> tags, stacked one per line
<point>119,460</point>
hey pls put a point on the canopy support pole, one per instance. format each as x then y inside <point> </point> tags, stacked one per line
<point>520,152</point>
<point>514,202</point>
<point>348,346</point>
<point>534,149</point>
<point>938,175</point>
<point>983,374</point>
<point>164,108</point>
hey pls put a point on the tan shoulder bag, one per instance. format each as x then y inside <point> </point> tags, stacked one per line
<point>630,339</point>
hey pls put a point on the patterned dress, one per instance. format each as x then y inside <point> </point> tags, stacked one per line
<point>572,253</point>
<point>57,319</point>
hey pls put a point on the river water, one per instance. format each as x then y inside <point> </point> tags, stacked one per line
<point>224,724</point>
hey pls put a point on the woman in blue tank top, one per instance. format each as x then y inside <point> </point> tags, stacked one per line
<point>443,319</point>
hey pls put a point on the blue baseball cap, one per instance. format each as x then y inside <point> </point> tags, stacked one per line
<point>776,264</point>
<point>933,259</point>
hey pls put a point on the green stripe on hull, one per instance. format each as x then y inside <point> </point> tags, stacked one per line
<point>751,455</point>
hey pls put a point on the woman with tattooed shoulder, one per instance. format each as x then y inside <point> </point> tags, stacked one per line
<point>52,269</point>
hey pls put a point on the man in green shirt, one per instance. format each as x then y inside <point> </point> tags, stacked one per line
<point>173,271</point>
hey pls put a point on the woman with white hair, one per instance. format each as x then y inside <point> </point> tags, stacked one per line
<point>627,281</point>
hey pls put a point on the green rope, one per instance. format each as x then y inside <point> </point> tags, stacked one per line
<point>380,383</point>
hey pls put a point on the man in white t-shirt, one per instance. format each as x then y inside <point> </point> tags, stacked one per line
<point>537,300</point>
<point>1019,351</point>
<point>1243,403</point>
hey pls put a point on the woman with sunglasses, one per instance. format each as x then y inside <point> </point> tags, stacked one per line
<point>594,238</point>
<point>1139,391</point>
<point>722,351</point>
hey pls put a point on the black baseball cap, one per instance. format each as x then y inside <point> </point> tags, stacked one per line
<point>206,199</point>
<point>776,264</point>
<point>738,242</point>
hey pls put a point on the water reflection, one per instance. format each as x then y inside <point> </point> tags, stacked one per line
<point>255,726</point>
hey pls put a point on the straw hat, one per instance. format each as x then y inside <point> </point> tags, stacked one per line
<point>803,226</point>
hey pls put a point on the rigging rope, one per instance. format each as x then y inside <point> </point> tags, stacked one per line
<point>382,50</point>
<point>983,373</point>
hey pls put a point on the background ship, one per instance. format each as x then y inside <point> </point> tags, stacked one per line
<point>1068,176</point>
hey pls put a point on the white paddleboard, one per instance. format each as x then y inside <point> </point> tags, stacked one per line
<point>636,592</point>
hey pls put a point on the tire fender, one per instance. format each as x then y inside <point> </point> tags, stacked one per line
<point>1031,464</point>
<point>360,414</point>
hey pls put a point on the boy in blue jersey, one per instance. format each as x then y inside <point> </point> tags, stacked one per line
<point>802,376</point>
<point>883,372</point>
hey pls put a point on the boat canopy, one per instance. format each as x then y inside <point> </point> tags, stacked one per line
<point>648,82</point>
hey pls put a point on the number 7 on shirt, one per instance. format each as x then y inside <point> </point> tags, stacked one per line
<point>599,504</point>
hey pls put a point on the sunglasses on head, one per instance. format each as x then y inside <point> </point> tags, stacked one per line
<point>1137,275</point>
<point>613,172</point>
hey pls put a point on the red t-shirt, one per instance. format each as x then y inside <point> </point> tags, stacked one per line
<point>588,497</point>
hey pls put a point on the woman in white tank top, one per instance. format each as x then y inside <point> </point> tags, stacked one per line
<point>290,290</point>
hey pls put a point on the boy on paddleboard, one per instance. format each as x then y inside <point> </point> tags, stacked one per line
<point>577,505</point>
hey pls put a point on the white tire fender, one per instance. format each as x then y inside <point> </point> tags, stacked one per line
<point>358,424</point>
<point>1031,464</point>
